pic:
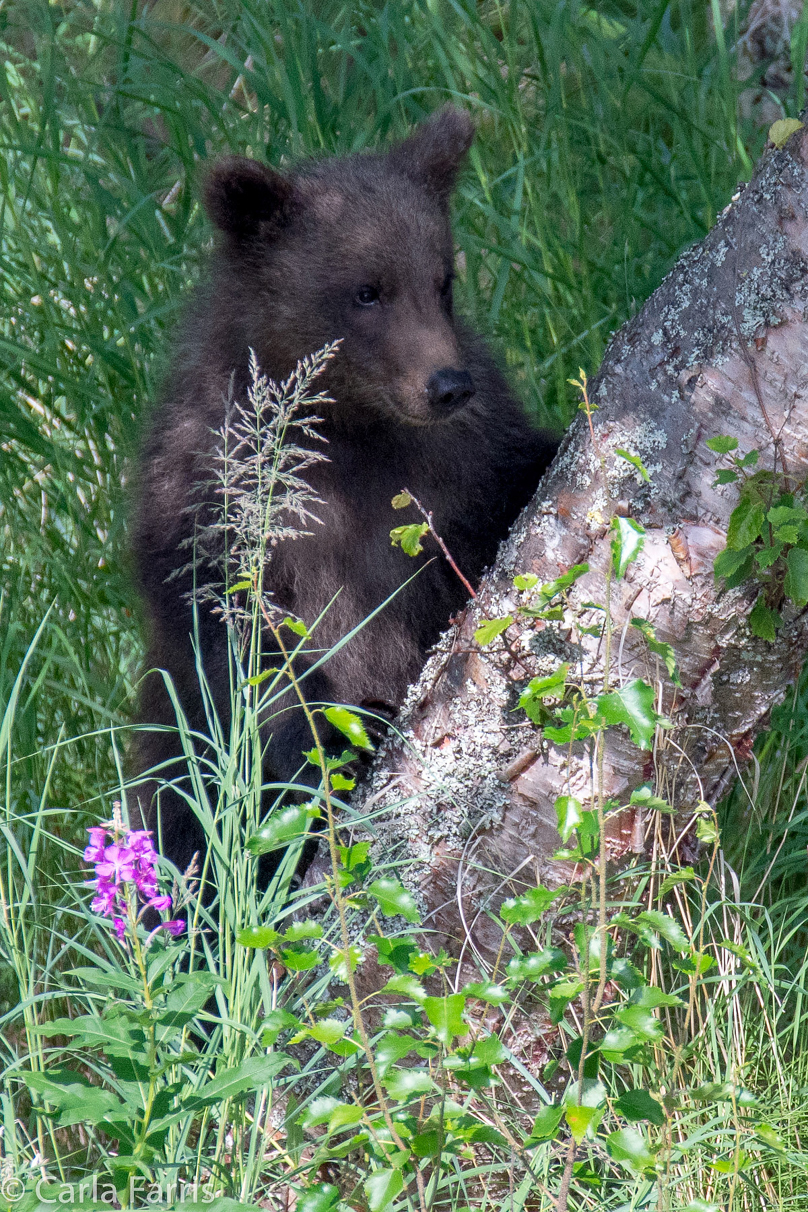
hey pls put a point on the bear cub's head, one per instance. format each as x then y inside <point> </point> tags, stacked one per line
<point>357,249</point>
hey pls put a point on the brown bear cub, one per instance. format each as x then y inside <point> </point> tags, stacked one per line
<point>359,250</point>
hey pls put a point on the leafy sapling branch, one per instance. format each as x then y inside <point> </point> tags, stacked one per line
<point>767,537</point>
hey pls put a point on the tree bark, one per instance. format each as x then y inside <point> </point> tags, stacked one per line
<point>467,791</point>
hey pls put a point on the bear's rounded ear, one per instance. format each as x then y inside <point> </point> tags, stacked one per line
<point>240,194</point>
<point>432,155</point>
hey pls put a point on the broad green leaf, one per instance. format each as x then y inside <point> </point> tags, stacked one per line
<point>537,964</point>
<point>632,705</point>
<point>677,877</point>
<point>568,814</point>
<point>641,1022</point>
<point>446,1016</point>
<point>525,582</point>
<point>382,1188</point>
<point>745,523</point>
<point>247,1077</point>
<point>407,985</point>
<point>627,544</point>
<point>408,538</point>
<point>275,1022</point>
<point>319,1111</point>
<point>338,963</point>
<point>322,1197</point>
<point>487,991</point>
<point>767,1134</point>
<point>401,500</point>
<point>662,924</point>
<point>339,782</point>
<point>634,460</point>
<point>490,1050</point>
<point>579,1119</point>
<point>300,959</point>
<point>298,931</point>
<point>646,798</point>
<point>491,628</point>
<point>393,1047</point>
<point>394,899</point>
<point>722,444</point>
<point>796,582</point>
<point>404,1084</point>
<point>258,937</point>
<point>630,1146</point>
<point>280,829</point>
<point>239,587</point>
<point>528,908</point>
<point>725,475</point>
<point>77,1099</point>
<point>350,725</point>
<point>545,1125</point>
<point>707,830</point>
<point>637,1105</point>
<point>539,689</point>
<point>297,626</point>
<point>659,648</point>
<point>763,621</point>
<point>734,566</point>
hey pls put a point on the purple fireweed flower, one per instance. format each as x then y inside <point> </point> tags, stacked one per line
<point>95,849</point>
<point>126,860</point>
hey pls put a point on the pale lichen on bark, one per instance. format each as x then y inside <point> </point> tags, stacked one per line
<point>469,786</point>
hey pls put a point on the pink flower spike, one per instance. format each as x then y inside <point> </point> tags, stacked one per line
<point>120,928</point>
<point>174,928</point>
<point>160,903</point>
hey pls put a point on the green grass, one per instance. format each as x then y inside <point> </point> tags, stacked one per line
<point>608,140</point>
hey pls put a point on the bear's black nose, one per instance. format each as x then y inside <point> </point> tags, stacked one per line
<point>447,389</point>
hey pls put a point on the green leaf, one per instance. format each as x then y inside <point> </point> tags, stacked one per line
<point>339,782</point>
<point>545,1125</point>
<point>394,899</point>
<point>487,991</point>
<point>796,582</point>
<point>735,566</point>
<point>275,1022</point>
<point>579,1119</point>
<point>645,797</point>
<point>249,1076</point>
<point>745,523</point>
<point>382,1188</point>
<point>408,538</point>
<point>401,500</point>
<point>637,1105</point>
<point>319,1111</point>
<point>238,587</point>
<point>350,725</point>
<point>537,964</point>
<point>298,931</point>
<point>76,1099</point>
<point>664,925</point>
<point>633,705</point>
<point>763,621</point>
<point>701,1205</point>
<point>660,649</point>
<point>407,985</point>
<point>539,689</point>
<point>568,814</point>
<point>627,544</point>
<point>404,1084</point>
<point>300,959</point>
<point>491,628</point>
<point>707,830</point>
<point>258,937</point>
<point>280,828</point>
<point>526,909</point>
<point>446,1016</point>
<point>322,1197</point>
<point>525,582</point>
<point>338,962</point>
<point>722,444</point>
<point>630,1146</point>
<point>676,878</point>
<point>634,460</point>
<point>641,1022</point>
<point>725,475</point>
<point>297,626</point>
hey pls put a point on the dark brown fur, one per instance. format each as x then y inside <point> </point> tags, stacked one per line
<point>294,253</point>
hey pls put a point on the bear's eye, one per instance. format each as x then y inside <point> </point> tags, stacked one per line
<point>366,296</point>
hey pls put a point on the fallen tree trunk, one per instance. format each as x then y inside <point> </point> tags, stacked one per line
<point>720,348</point>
